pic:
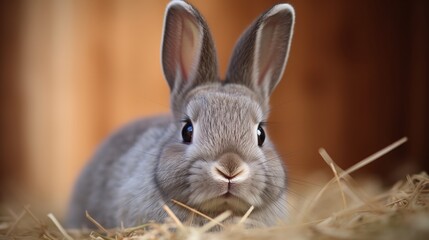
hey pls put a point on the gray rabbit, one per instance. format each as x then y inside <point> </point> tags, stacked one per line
<point>212,152</point>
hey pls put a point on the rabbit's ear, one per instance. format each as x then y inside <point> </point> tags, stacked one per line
<point>260,54</point>
<point>188,54</point>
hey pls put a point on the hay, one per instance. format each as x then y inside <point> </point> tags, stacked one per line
<point>340,210</point>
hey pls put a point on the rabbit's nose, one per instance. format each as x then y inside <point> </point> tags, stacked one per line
<point>227,174</point>
<point>229,168</point>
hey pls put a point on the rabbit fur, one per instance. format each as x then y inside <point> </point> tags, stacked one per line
<point>147,163</point>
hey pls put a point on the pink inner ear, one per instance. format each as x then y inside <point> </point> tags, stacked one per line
<point>189,47</point>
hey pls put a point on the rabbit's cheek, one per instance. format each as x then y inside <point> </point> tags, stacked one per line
<point>203,189</point>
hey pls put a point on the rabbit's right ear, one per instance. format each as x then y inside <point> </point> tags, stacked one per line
<point>188,54</point>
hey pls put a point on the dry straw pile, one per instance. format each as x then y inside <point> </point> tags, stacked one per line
<point>340,210</point>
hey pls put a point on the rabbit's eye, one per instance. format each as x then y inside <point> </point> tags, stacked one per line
<point>187,131</point>
<point>261,135</point>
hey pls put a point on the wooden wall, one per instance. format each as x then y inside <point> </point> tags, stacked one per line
<point>74,70</point>
<point>11,102</point>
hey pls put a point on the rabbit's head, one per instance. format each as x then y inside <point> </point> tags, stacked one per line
<point>219,156</point>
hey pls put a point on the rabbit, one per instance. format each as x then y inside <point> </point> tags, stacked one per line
<point>211,152</point>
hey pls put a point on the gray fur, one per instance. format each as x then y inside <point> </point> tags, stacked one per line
<point>146,164</point>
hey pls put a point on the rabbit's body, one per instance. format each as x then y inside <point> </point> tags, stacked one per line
<point>129,166</point>
<point>211,153</point>
<point>104,199</point>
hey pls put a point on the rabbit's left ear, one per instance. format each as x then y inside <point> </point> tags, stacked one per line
<point>260,55</point>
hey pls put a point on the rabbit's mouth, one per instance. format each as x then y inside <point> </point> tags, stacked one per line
<point>227,195</point>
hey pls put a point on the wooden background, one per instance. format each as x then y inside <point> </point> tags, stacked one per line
<point>72,71</point>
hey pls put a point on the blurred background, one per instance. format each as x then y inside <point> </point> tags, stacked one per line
<point>72,71</point>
